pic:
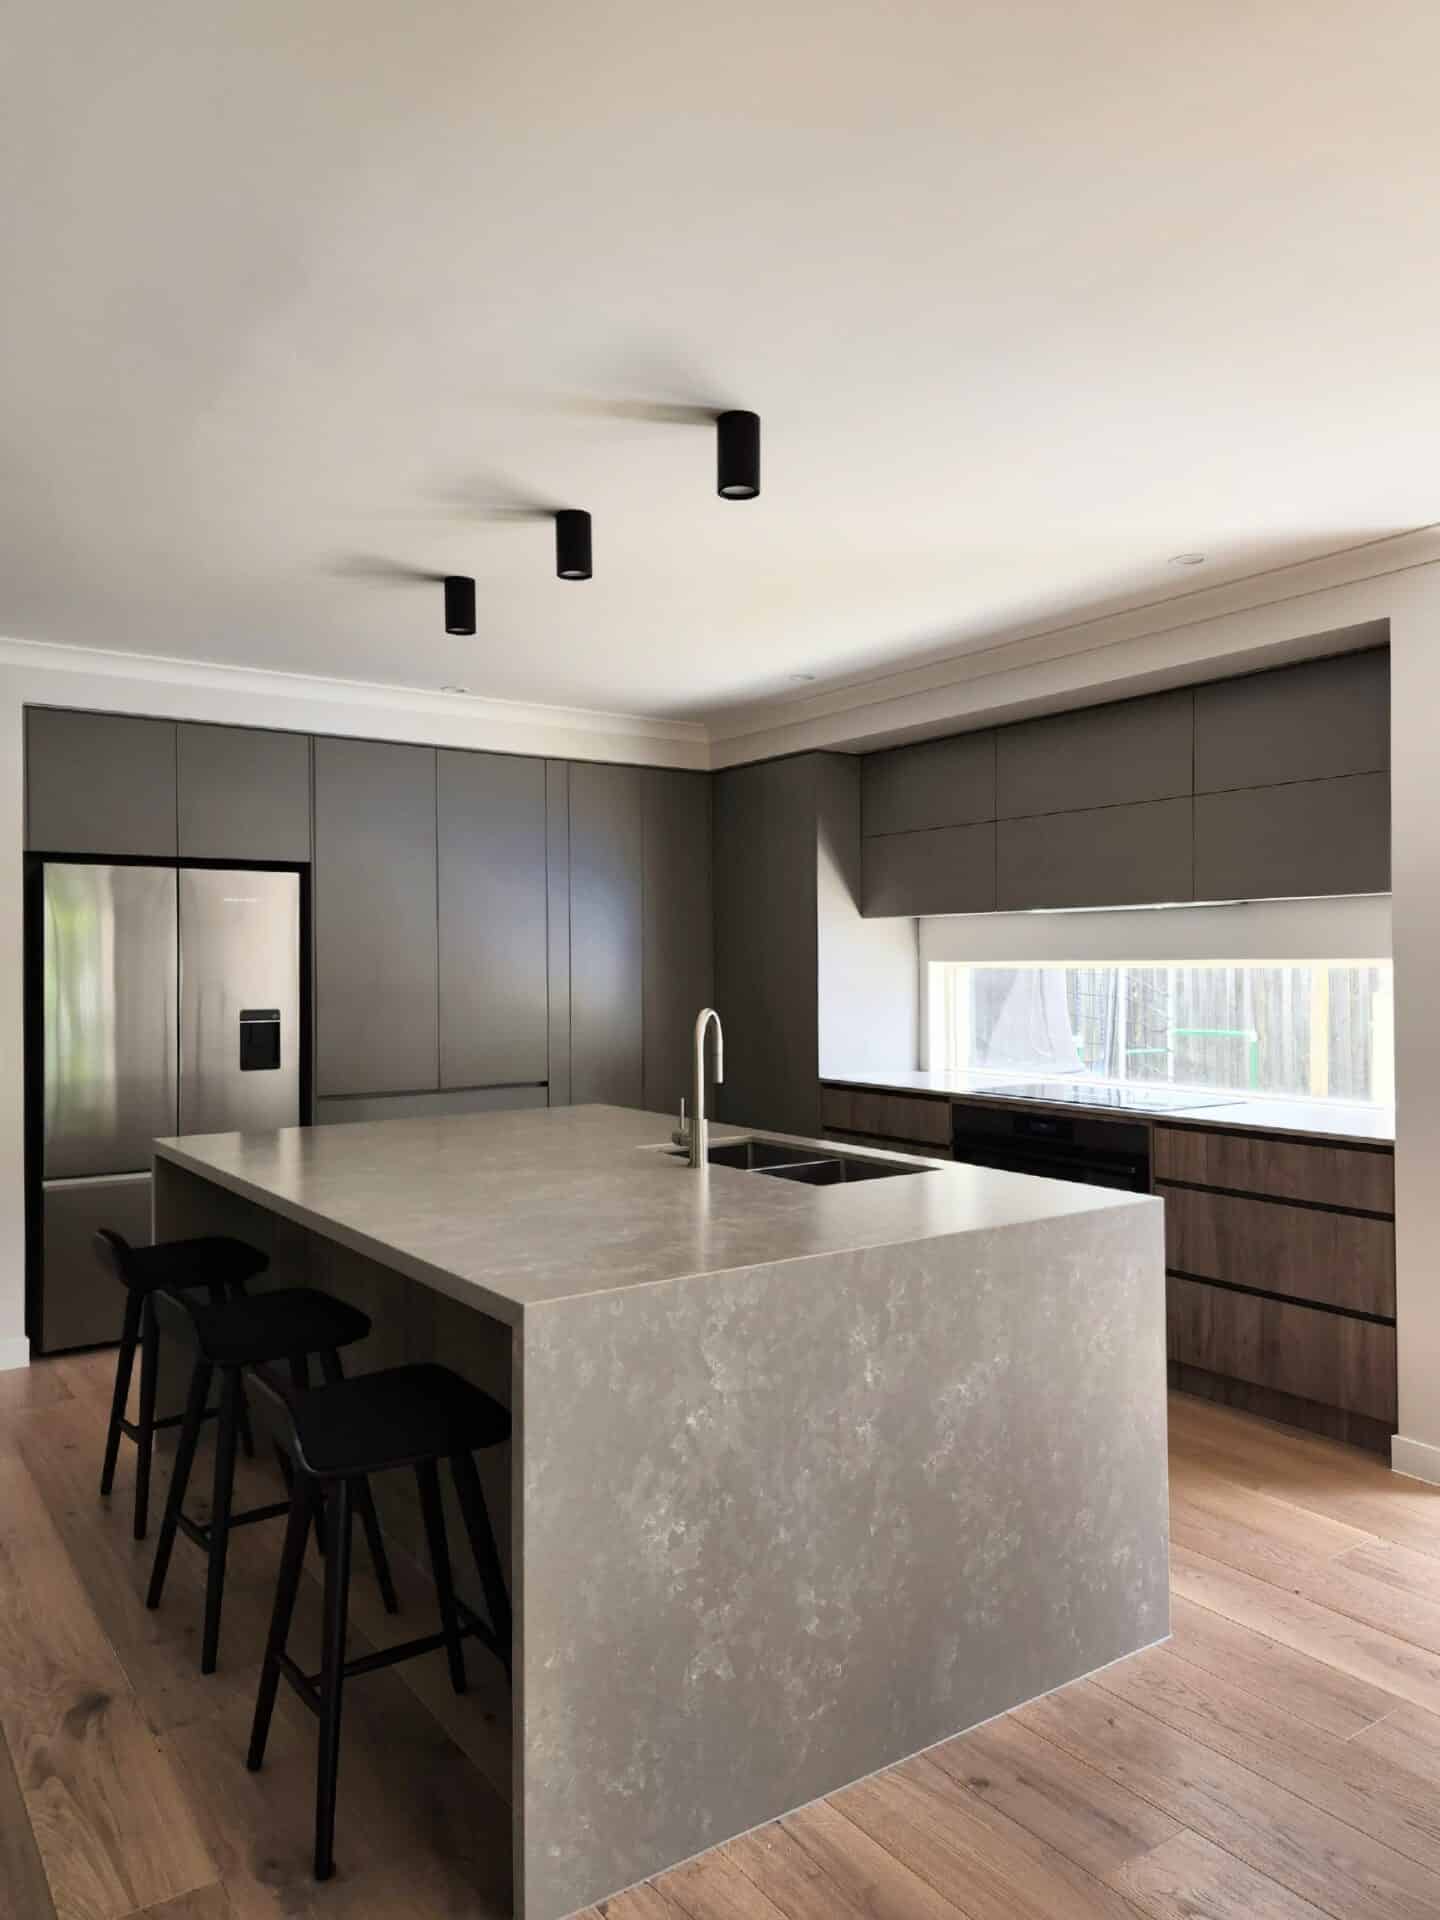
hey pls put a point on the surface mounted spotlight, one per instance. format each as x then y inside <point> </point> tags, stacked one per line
<point>459,603</point>
<point>737,448</point>
<point>572,543</point>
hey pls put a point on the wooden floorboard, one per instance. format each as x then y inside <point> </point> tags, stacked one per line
<point>1278,1758</point>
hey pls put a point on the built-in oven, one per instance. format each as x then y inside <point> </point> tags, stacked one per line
<point>1058,1146</point>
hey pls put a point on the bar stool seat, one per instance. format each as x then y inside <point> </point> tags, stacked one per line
<point>394,1419</point>
<point>214,1261</point>
<point>249,1331</point>
<point>410,1416</point>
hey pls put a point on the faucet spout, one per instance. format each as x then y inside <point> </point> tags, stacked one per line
<point>699,1124</point>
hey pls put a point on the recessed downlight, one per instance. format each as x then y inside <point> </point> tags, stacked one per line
<point>1187,559</point>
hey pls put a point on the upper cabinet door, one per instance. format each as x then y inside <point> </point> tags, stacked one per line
<point>493,1000</point>
<point>937,783</point>
<point>1310,837</point>
<point>376,949</point>
<point>679,957</point>
<point>1110,857</point>
<point>607,850</point>
<point>1097,757</point>
<point>1311,722</point>
<point>99,783</point>
<point>943,870</point>
<point>244,794</point>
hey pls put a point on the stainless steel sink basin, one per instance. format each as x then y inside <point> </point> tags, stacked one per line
<point>810,1166</point>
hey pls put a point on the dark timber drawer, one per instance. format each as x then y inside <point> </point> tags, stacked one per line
<point>1317,1356</point>
<point>887,1116</point>
<point>1309,1253</point>
<point>1336,1176</point>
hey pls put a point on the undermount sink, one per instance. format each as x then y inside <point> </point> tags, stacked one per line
<point>809,1166</point>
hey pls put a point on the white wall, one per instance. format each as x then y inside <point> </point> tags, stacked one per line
<point>111,682</point>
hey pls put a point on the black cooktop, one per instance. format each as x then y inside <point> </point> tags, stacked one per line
<point>1082,1093</point>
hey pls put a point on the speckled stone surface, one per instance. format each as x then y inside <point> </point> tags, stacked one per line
<point>777,1521</point>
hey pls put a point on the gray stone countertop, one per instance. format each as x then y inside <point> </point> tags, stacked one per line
<point>506,1211</point>
<point>1339,1120</point>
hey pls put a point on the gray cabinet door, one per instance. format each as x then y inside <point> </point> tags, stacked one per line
<point>1107,857</point>
<point>376,961</point>
<point>936,783</point>
<point>557,880</point>
<point>494,1008</point>
<point>1311,722</point>
<point>607,850</point>
<point>1312,837</point>
<point>244,794</point>
<point>99,783</point>
<point>945,870</point>
<point>679,957</point>
<point>1097,757</point>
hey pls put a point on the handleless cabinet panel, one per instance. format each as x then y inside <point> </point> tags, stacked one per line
<point>1307,1253</point>
<point>99,783</point>
<point>1315,837</point>
<point>1107,756</point>
<point>679,957</point>
<point>376,943</point>
<point>244,794</point>
<point>936,783</point>
<point>607,935</point>
<point>494,1006</point>
<point>1107,857</point>
<point>1309,722</point>
<point>1325,1357</point>
<point>1284,1169</point>
<point>938,870</point>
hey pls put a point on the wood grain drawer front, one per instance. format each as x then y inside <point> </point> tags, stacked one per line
<point>1338,1176</point>
<point>886,1116</point>
<point>1338,1259</point>
<point>1326,1357</point>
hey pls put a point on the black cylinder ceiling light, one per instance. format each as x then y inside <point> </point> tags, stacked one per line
<point>737,450</point>
<point>572,543</point>
<point>459,603</point>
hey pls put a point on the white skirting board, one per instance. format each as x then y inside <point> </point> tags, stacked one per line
<point>14,1353</point>
<point>1415,1458</point>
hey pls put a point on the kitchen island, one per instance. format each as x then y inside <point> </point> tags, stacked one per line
<point>803,1478</point>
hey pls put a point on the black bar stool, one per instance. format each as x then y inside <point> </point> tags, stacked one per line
<point>252,1330</point>
<point>411,1416</point>
<point>221,1265</point>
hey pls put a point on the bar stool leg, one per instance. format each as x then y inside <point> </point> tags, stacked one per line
<point>292,1563</point>
<point>195,1405</point>
<point>332,1672</point>
<point>220,1506</point>
<point>124,1365</point>
<point>434,1513</point>
<point>145,1441</point>
<point>482,1545</point>
<point>331,1368</point>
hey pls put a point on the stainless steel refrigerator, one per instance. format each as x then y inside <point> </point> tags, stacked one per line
<point>170,1003</point>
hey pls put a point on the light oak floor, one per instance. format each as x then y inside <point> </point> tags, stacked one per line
<point>1279,1759</point>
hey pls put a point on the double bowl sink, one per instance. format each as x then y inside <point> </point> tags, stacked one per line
<point>810,1166</point>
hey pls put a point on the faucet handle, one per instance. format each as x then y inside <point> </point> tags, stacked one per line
<point>681,1134</point>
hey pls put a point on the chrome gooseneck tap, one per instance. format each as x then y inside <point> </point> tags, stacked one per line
<point>699,1125</point>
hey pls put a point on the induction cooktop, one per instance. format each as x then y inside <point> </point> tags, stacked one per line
<point>1082,1093</point>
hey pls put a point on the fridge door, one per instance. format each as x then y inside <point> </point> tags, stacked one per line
<point>239,1000</point>
<point>109,1016</point>
<point>84,1303</point>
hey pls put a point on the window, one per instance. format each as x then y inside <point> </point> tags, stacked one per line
<point>1316,1029</point>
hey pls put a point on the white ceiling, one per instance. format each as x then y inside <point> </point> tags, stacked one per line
<point>304,300</point>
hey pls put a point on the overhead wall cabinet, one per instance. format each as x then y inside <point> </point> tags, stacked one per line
<point>1270,785</point>
<point>100,783</point>
<point>244,794</point>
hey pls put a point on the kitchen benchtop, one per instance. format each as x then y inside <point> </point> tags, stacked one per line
<point>517,1209</point>
<point>1340,1120</point>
